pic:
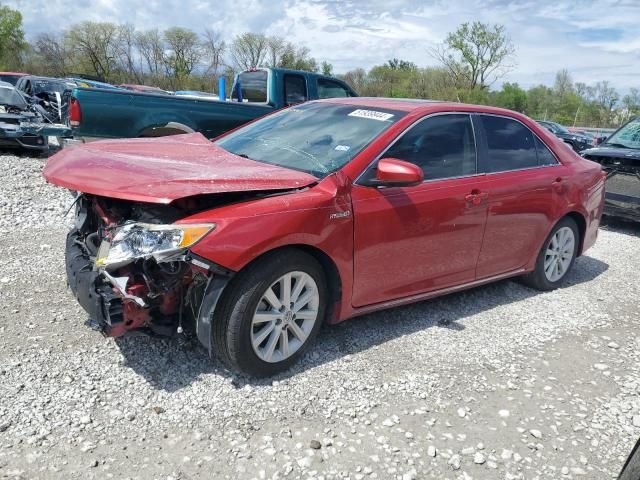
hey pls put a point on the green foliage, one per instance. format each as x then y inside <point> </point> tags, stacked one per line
<point>566,102</point>
<point>512,97</point>
<point>472,58</point>
<point>12,42</point>
<point>475,55</point>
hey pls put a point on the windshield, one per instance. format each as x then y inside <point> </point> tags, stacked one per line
<point>47,86</point>
<point>316,138</point>
<point>628,136</point>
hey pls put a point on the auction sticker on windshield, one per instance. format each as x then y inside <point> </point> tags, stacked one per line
<point>371,114</point>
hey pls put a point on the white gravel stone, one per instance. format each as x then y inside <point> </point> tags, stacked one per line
<point>500,348</point>
<point>479,458</point>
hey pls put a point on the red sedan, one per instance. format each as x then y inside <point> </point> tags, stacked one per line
<point>318,213</point>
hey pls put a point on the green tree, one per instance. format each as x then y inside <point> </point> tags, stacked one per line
<point>512,97</point>
<point>476,55</point>
<point>184,52</point>
<point>12,42</point>
<point>326,68</point>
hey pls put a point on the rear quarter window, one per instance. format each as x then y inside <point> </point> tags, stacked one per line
<point>253,86</point>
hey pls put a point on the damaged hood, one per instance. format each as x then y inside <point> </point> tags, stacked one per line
<point>612,152</point>
<point>161,170</point>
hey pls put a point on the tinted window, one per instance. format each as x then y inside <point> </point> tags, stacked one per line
<point>295,89</point>
<point>253,86</point>
<point>510,145</point>
<point>314,137</point>
<point>545,157</point>
<point>443,146</point>
<point>329,89</point>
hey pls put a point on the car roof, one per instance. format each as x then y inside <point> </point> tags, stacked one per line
<point>14,73</point>
<point>50,79</point>
<point>417,105</point>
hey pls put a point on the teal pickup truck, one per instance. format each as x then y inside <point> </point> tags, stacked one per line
<point>96,113</point>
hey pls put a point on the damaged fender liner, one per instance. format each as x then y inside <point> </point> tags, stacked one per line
<point>114,315</point>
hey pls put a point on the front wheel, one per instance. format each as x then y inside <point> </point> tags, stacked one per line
<point>271,313</point>
<point>556,257</point>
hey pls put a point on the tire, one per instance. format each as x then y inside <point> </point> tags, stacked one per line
<point>240,318</point>
<point>550,280</point>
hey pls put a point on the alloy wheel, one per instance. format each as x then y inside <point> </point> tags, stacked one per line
<point>559,254</point>
<point>285,317</point>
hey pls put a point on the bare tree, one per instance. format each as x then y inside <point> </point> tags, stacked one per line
<point>249,50</point>
<point>475,55</point>
<point>126,53</point>
<point>95,44</point>
<point>276,48</point>
<point>54,54</point>
<point>563,83</point>
<point>151,49</point>
<point>214,49</point>
<point>356,79</point>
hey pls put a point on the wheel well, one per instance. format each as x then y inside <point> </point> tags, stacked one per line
<point>334,282</point>
<point>171,128</point>
<point>582,227</point>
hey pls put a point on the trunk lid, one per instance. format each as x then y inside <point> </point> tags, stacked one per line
<point>161,170</point>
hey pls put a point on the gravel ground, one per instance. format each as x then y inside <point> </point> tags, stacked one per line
<point>497,382</point>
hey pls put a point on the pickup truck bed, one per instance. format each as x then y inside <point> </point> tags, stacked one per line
<point>98,113</point>
<point>158,115</point>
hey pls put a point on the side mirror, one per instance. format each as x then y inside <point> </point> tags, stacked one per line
<point>392,172</point>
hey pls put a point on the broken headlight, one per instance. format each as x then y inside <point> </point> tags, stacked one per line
<point>141,240</point>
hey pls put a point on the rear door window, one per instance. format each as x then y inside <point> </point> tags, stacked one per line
<point>329,89</point>
<point>510,145</point>
<point>295,89</point>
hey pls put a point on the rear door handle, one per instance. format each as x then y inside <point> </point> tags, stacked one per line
<point>558,185</point>
<point>476,197</point>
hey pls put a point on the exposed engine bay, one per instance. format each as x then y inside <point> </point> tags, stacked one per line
<point>130,267</point>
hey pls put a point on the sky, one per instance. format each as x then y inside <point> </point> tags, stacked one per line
<point>594,40</point>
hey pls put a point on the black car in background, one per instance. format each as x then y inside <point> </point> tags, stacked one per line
<point>577,141</point>
<point>619,156</point>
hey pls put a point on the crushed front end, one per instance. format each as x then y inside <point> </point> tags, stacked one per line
<point>129,266</point>
<point>623,181</point>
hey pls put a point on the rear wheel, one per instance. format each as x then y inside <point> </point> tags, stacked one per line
<point>271,314</point>
<point>556,257</point>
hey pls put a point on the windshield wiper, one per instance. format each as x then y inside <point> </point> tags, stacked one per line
<point>619,145</point>
<point>244,155</point>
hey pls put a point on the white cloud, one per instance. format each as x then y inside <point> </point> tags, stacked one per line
<point>594,40</point>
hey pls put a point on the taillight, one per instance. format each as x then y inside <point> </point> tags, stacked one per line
<point>75,115</point>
